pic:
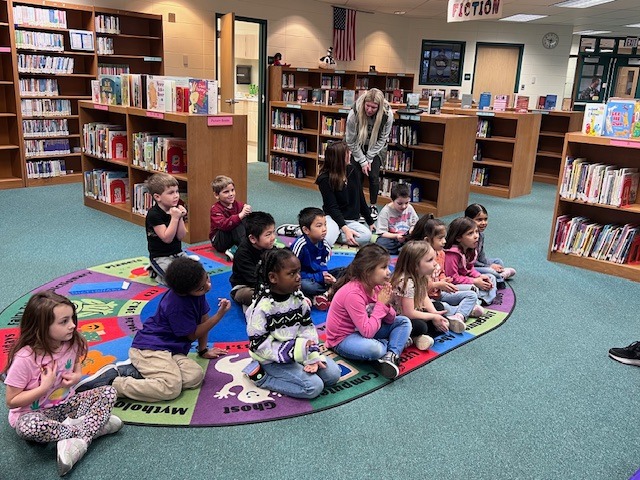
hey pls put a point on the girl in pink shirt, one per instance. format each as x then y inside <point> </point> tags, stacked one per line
<point>361,323</point>
<point>43,366</point>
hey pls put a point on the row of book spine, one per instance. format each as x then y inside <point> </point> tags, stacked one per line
<point>335,126</point>
<point>286,119</point>
<point>107,186</point>
<point>46,168</point>
<point>287,143</point>
<point>45,107</point>
<point>50,128</point>
<point>404,134</point>
<point>24,15</point>
<point>599,183</point>
<point>46,147</point>
<point>113,68</point>
<point>107,24</point>
<point>398,161</point>
<point>105,46</point>
<point>287,167</point>
<point>331,81</point>
<point>586,238</point>
<point>162,153</point>
<point>288,80</point>
<point>143,201</point>
<point>480,176</point>
<point>27,39</point>
<point>484,128</point>
<point>38,87</point>
<point>105,140</point>
<point>393,83</point>
<point>28,63</point>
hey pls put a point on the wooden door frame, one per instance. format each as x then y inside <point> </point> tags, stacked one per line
<point>520,46</point>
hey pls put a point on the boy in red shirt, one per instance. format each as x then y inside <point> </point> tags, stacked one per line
<point>227,229</point>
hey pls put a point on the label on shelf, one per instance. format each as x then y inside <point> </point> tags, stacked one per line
<point>302,69</point>
<point>343,110</point>
<point>159,115</point>
<point>289,105</point>
<point>219,121</point>
<point>413,118</point>
<point>339,71</point>
<point>152,59</point>
<point>486,114</point>
<point>400,74</point>
<point>624,143</point>
<point>99,106</point>
<point>5,49</point>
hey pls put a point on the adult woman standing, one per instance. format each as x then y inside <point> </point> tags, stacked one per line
<point>368,127</point>
<point>342,198</point>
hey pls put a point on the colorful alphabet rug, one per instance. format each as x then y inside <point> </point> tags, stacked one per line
<point>114,300</point>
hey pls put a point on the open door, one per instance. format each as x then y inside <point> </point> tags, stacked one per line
<point>227,63</point>
<point>497,70</point>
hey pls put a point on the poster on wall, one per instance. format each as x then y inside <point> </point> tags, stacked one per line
<point>465,11</point>
<point>441,62</point>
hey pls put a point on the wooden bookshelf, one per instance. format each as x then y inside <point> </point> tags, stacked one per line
<point>211,151</point>
<point>284,82</point>
<point>509,152</point>
<point>11,163</point>
<point>553,126</point>
<point>619,152</point>
<point>439,166</point>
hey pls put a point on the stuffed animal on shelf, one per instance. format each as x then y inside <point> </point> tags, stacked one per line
<point>327,62</point>
<point>277,60</point>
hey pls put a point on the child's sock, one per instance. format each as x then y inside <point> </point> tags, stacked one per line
<point>456,323</point>
<point>508,272</point>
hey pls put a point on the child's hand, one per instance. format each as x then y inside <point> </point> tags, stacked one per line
<point>183,210</point>
<point>482,282</point>
<point>310,343</point>
<point>384,295</point>
<point>497,268</point>
<point>176,213</point>
<point>214,352</point>
<point>312,368</point>
<point>441,323</point>
<point>328,278</point>
<point>223,306</point>
<point>70,378</point>
<point>400,237</point>
<point>48,376</point>
<point>446,287</point>
<point>246,210</point>
<point>350,236</point>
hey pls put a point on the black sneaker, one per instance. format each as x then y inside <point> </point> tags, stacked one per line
<point>126,369</point>
<point>628,355</point>
<point>389,365</point>
<point>374,212</point>
<point>105,376</point>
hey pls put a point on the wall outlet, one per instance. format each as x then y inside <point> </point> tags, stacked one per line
<point>185,60</point>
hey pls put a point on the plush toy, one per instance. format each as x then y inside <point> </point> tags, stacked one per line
<point>327,62</point>
<point>277,60</point>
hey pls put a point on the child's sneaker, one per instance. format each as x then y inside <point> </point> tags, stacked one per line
<point>105,376</point>
<point>374,212</point>
<point>113,425</point>
<point>389,365</point>
<point>508,272</point>
<point>629,355</point>
<point>477,311</point>
<point>126,369</point>
<point>230,252</point>
<point>70,451</point>
<point>194,257</point>
<point>422,342</point>
<point>289,230</point>
<point>321,302</point>
<point>456,323</point>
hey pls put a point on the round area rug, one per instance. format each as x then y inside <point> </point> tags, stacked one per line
<point>114,300</point>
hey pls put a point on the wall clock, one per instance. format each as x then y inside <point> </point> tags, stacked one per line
<point>550,40</point>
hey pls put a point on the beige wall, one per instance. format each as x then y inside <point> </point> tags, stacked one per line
<point>301,31</point>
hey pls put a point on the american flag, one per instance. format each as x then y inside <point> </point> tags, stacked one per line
<point>344,34</point>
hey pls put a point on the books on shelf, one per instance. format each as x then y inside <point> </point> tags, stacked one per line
<point>334,126</point>
<point>107,186</point>
<point>198,96</point>
<point>522,104</point>
<point>48,128</point>
<point>480,176</point>
<point>24,15</point>
<point>550,102</point>
<point>46,147</point>
<point>110,89</point>
<point>28,40</point>
<point>619,118</point>
<point>593,120</point>
<point>107,23</point>
<point>501,102</point>
<point>467,100</point>
<point>160,152</point>
<point>44,64</point>
<point>38,87</point>
<point>45,107</point>
<point>82,40</point>
<point>484,128</point>
<point>142,199</point>
<point>286,119</point>
<point>434,105</point>
<point>287,167</point>
<point>398,160</point>
<point>46,168</point>
<point>485,101</point>
<point>105,140</point>
<point>287,143</point>
<point>404,134</point>
<point>348,98</point>
<point>317,96</point>
<point>303,95</point>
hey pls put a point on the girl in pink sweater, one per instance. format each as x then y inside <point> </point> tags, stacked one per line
<point>361,323</point>
<point>460,255</point>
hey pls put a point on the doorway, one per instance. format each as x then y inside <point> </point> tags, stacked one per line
<point>248,71</point>
<point>497,69</point>
<point>626,82</point>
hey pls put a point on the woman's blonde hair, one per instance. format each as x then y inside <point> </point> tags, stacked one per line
<point>407,269</point>
<point>374,96</point>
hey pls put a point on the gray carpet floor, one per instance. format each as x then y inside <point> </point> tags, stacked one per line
<point>538,398</point>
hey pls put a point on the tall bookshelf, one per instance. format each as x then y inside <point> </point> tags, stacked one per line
<point>11,163</point>
<point>438,166</point>
<point>214,147</point>
<point>509,151</point>
<point>553,127</point>
<point>284,82</point>
<point>610,151</point>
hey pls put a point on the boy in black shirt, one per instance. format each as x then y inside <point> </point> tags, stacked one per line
<point>260,228</point>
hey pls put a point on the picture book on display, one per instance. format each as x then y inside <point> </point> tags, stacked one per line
<point>618,118</point>
<point>110,89</point>
<point>593,120</point>
<point>198,96</point>
<point>316,95</point>
<point>541,101</point>
<point>485,101</point>
<point>550,102</point>
<point>467,100</point>
<point>349,98</point>
<point>522,103</point>
<point>501,102</point>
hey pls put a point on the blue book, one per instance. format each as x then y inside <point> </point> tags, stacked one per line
<point>84,288</point>
<point>485,101</point>
<point>550,102</point>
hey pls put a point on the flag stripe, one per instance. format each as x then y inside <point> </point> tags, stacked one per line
<point>344,34</point>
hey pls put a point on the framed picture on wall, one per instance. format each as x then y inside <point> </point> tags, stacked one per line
<point>441,62</point>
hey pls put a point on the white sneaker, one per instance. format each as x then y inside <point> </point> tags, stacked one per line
<point>423,342</point>
<point>113,425</point>
<point>508,272</point>
<point>194,257</point>
<point>70,451</point>
<point>456,323</point>
<point>477,311</point>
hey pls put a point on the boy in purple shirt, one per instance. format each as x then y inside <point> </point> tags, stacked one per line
<point>159,351</point>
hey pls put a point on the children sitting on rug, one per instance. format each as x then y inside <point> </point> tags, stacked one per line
<point>282,338</point>
<point>43,365</point>
<point>314,252</point>
<point>164,223</point>
<point>361,323</point>
<point>227,230</point>
<point>460,255</point>
<point>396,219</point>
<point>493,266</point>
<point>159,351</point>
<point>260,236</point>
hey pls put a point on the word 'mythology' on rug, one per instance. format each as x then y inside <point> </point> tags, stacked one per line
<point>113,301</point>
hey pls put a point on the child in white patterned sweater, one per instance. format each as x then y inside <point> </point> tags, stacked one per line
<point>282,338</point>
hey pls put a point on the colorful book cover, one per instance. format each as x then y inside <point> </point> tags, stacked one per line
<point>316,95</point>
<point>550,102</point>
<point>541,101</point>
<point>618,118</point>
<point>110,89</point>
<point>349,98</point>
<point>118,190</point>
<point>212,97</point>
<point>485,101</point>
<point>117,144</point>
<point>522,104</point>
<point>95,91</point>
<point>198,90</point>
<point>303,95</point>
<point>593,119</point>
<point>176,155</point>
<point>126,89</point>
<point>500,103</point>
<point>635,130</point>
